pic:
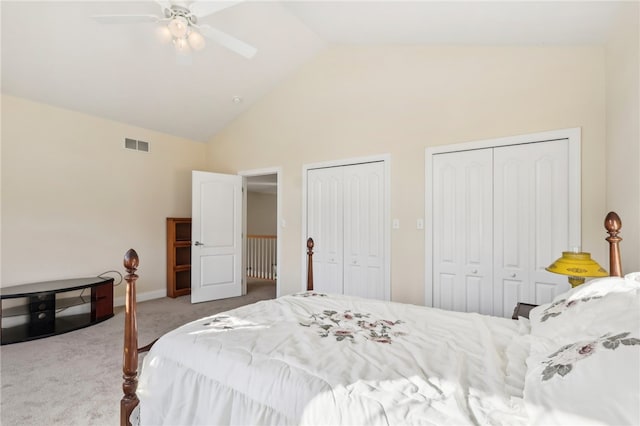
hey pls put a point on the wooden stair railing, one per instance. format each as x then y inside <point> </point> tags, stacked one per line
<point>261,256</point>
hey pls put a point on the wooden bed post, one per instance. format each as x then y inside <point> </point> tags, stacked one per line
<point>612,224</point>
<point>309,264</point>
<point>130,359</point>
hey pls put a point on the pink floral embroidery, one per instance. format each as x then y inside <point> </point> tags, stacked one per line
<point>221,322</point>
<point>348,325</point>
<point>310,294</point>
<point>563,361</point>
<point>560,306</point>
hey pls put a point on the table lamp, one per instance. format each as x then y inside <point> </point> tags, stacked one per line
<point>577,265</point>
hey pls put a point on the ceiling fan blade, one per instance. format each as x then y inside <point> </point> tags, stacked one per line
<point>204,8</point>
<point>125,19</point>
<point>164,5</point>
<point>231,43</point>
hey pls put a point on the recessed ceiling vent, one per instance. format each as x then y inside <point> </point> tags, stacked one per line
<point>136,145</point>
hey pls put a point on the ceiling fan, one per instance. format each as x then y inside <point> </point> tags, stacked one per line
<point>183,27</point>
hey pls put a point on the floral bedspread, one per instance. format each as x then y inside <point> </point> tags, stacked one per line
<point>313,358</point>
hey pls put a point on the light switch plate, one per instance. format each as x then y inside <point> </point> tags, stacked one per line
<point>396,224</point>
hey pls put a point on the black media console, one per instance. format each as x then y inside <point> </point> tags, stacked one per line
<point>45,304</point>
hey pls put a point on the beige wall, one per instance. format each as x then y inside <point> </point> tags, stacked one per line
<point>74,200</point>
<point>623,131</point>
<point>262,213</point>
<point>360,101</point>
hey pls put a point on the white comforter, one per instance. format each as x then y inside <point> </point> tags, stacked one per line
<point>323,359</point>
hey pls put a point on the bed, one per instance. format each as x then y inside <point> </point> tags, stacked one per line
<point>314,358</point>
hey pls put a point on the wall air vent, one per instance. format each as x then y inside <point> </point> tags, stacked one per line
<point>143,146</point>
<point>136,145</point>
<point>130,143</point>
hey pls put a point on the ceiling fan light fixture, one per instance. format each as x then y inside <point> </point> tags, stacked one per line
<point>179,27</point>
<point>179,24</point>
<point>164,35</point>
<point>182,46</point>
<point>196,41</point>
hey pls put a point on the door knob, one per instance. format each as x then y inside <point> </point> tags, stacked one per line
<point>198,243</point>
<point>513,275</point>
<point>475,271</point>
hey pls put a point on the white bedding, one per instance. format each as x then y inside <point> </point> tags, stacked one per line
<point>323,359</point>
<point>319,359</point>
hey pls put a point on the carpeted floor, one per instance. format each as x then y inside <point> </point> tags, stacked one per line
<point>76,378</point>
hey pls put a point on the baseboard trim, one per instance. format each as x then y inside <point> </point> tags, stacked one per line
<point>142,297</point>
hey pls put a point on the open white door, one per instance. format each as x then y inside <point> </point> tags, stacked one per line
<point>216,254</point>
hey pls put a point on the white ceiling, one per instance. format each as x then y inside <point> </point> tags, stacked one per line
<point>53,52</point>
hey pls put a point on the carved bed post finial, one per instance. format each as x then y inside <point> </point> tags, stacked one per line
<point>310,264</point>
<point>130,358</point>
<point>612,224</point>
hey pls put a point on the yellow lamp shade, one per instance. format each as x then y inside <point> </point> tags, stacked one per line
<point>577,265</point>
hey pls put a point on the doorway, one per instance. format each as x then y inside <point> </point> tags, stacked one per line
<point>262,245</point>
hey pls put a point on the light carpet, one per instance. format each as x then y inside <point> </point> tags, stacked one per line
<point>76,378</point>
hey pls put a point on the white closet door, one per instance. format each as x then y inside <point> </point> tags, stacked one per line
<point>325,226</point>
<point>463,231</point>
<point>531,222</point>
<point>364,273</point>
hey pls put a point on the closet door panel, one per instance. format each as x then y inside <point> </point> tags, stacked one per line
<point>462,228</point>
<point>445,294</point>
<point>325,226</point>
<point>511,218</point>
<point>531,220</point>
<point>550,232</point>
<point>364,230</point>
<point>512,293</point>
<point>474,295</point>
<point>478,227</point>
<point>355,266</point>
<point>446,263</point>
<point>546,291</point>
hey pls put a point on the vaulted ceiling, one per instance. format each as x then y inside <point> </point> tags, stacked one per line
<point>54,52</point>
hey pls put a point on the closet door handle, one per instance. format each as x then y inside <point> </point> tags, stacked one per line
<point>198,243</point>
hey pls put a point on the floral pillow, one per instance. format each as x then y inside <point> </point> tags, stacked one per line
<point>584,361</point>
<point>562,361</point>
<point>593,380</point>
<point>591,308</point>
